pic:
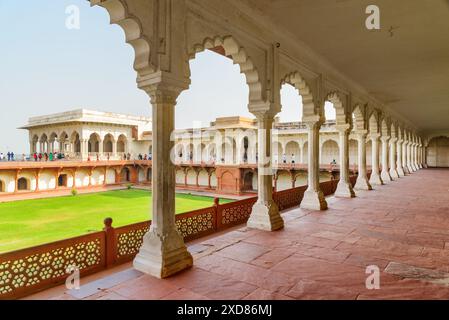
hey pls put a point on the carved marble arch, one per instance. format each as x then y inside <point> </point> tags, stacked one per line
<point>359,121</point>
<point>121,15</point>
<point>385,127</point>
<point>400,132</point>
<point>394,129</point>
<point>229,47</point>
<point>340,108</point>
<point>373,122</point>
<point>309,108</point>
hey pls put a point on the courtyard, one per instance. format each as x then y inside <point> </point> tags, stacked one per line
<point>29,223</point>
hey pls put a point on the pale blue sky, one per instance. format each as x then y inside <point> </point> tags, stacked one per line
<point>46,68</point>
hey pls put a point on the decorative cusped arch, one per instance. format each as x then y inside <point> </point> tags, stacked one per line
<point>296,80</point>
<point>373,122</point>
<point>229,47</point>
<point>120,14</point>
<point>359,121</point>
<point>337,99</point>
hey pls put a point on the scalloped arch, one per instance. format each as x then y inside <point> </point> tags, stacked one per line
<point>239,56</point>
<point>359,117</point>
<point>119,14</point>
<point>296,80</point>
<point>337,101</point>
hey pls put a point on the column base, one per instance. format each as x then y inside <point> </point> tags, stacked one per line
<point>362,183</point>
<point>313,200</point>
<point>400,171</point>
<point>406,170</point>
<point>163,255</point>
<point>266,217</point>
<point>344,190</point>
<point>410,169</point>
<point>394,174</point>
<point>385,176</point>
<point>375,180</point>
<point>420,166</point>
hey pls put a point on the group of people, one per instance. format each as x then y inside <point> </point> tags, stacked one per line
<point>47,156</point>
<point>292,161</point>
<point>145,157</point>
<point>8,157</point>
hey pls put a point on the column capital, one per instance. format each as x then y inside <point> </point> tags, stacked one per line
<point>163,87</point>
<point>361,134</point>
<point>343,128</point>
<point>385,138</point>
<point>374,136</point>
<point>393,140</point>
<point>312,124</point>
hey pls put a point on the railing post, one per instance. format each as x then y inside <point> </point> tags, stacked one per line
<point>216,209</point>
<point>111,246</point>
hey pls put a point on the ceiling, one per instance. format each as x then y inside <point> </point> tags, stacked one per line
<point>405,64</point>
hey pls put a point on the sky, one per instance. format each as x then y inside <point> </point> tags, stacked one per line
<point>46,68</point>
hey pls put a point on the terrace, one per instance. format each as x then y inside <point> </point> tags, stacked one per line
<point>401,228</point>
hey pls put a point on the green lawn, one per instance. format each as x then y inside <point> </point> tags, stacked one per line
<point>31,222</point>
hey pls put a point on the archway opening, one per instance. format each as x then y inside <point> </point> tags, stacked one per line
<point>125,175</point>
<point>122,144</point>
<point>94,143</point>
<point>438,152</point>
<point>248,181</point>
<point>23,184</point>
<point>62,180</point>
<point>329,153</point>
<point>216,130</point>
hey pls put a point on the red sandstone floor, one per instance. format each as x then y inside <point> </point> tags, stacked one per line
<point>402,227</point>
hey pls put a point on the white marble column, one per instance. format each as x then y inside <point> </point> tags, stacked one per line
<point>313,197</point>
<point>362,179</point>
<point>420,159</point>
<point>385,175</point>
<point>375,177</point>
<point>393,173</point>
<point>412,157</point>
<point>415,156</point>
<point>399,167</point>
<point>163,252</point>
<point>344,187</point>
<point>265,213</point>
<point>404,157</point>
<point>409,157</point>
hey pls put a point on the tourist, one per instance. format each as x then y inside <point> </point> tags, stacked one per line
<point>40,156</point>
<point>293,158</point>
<point>284,158</point>
<point>108,155</point>
<point>12,156</point>
<point>9,156</point>
<point>46,156</point>
<point>145,157</point>
<point>2,156</point>
<point>98,157</point>
<point>24,157</point>
<point>128,157</point>
<point>150,156</point>
<point>51,156</point>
